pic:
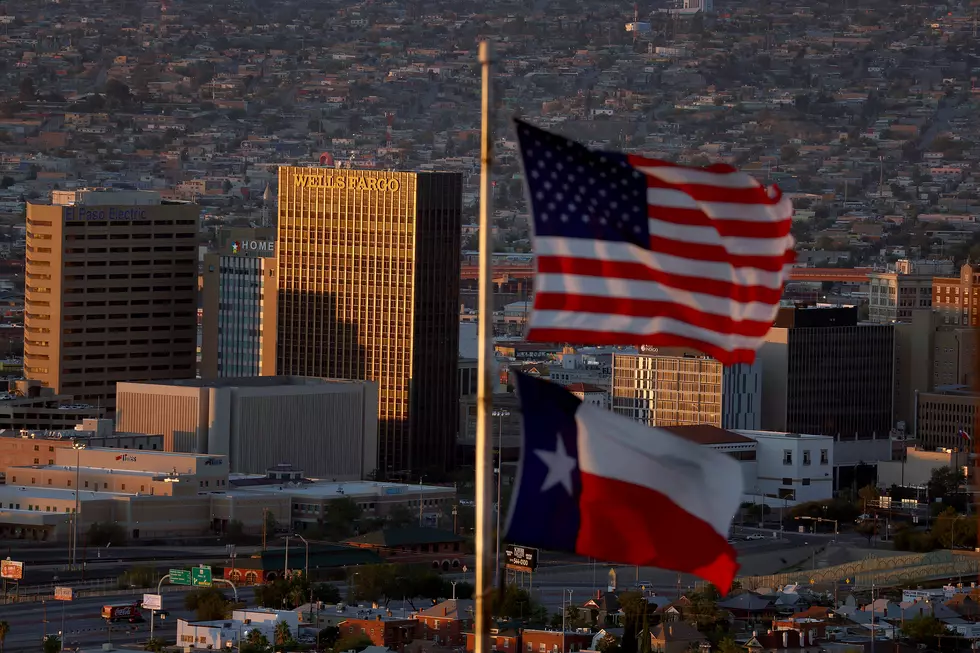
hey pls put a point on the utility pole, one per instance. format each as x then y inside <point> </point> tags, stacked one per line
<point>265,514</point>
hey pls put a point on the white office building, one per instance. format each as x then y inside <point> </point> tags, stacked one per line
<point>227,633</point>
<point>794,467</point>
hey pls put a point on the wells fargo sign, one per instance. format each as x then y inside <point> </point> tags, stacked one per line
<point>346,182</point>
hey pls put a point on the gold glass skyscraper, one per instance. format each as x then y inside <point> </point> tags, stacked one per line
<point>369,287</point>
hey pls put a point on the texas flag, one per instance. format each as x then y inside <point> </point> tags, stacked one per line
<point>600,485</point>
<point>966,436</point>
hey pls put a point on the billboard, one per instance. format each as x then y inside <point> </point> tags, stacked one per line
<point>246,242</point>
<point>11,569</point>
<point>521,558</point>
<point>152,602</point>
<point>63,594</point>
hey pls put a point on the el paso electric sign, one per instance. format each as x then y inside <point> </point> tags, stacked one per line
<point>104,214</point>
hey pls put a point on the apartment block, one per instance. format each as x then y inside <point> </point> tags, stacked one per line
<point>111,292</point>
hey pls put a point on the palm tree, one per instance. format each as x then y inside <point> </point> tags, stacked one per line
<point>282,634</point>
<point>4,629</point>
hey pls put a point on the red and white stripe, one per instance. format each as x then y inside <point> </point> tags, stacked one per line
<point>720,250</point>
<point>652,498</point>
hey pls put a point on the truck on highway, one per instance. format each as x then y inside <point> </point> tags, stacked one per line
<point>130,612</point>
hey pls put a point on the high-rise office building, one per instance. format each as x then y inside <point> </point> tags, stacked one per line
<point>930,355</point>
<point>905,290</point>
<point>369,286</point>
<point>955,298</point>
<point>240,292</point>
<point>111,291</point>
<point>824,374</point>
<point>680,387</point>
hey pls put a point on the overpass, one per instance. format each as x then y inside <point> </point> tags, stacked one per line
<point>505,272</point>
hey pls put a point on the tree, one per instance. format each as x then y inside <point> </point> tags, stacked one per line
<point>400,516</point>
<point>635,607</point>
<point>106,533</point>
<point>868,494</point>
<point>136,577</point>
<point>283,635</point>
<point>608,644</point>
<point>340,520</point>
<point>357,642</point>
<point>156,645</point>
<point>256,642</point>
<point>729,645</point>
<point>208,602</point>
<point>52,644</point>
<point>944,483</point>
<point>270,523</point>
<point>235,532</point>
<point>4,631</point>
<point>328,636</point>
<point>574,617</point>
<point>516,603</point>
<point>27,92</point>
<point>924,628</point>
<point>117,91</point>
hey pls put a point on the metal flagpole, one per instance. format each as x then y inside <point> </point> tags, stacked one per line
<point>484,404</point>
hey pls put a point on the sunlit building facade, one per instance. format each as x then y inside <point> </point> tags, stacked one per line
<point>369,283</point>
<point>111,291</point>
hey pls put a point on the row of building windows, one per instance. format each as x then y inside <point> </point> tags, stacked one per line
<point>788,457</point>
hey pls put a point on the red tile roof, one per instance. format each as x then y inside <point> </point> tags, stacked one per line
<point>584,387</point>
<point>707,434</point>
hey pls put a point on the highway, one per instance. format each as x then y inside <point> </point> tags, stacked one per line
<point>29,622</point>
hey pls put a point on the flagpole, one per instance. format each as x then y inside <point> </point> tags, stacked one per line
<point>484,403</point>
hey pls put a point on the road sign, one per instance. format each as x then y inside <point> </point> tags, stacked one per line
<point>521,558</point>
<point>201,576</point>
<point>11,569</point>
<point>63,594</point>
<point>152,602</point>
<point>180,577</point>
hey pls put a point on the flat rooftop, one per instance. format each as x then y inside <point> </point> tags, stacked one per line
<point>332,490</point>
<point>248,382</point>
<point>21,493</point>
<point>783,434</point>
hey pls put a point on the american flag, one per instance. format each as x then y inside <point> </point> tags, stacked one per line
<point>635,251</point>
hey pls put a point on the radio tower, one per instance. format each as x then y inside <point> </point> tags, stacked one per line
<point>391,120</point>
<point>636,22</point>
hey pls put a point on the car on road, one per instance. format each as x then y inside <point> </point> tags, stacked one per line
<point>755,536</point>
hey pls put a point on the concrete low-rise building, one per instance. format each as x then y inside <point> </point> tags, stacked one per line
<point>327,427</point>
<point>794,467</point>
<point>227,633</point>
<point>157,494</point>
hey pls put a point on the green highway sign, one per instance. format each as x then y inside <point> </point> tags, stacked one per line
<point>201,576</point>
<point>180,577</point>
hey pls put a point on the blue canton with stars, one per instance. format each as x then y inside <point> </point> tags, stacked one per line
<point>578,193</point>
<point>545,507</point>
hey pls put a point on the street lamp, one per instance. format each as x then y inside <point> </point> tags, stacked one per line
<point>77,446</point>
<point>500,415</point>
<point>285,562</point>
<point>455,512</point>
<point>564,613</point>
<point>306,568</point>
<point>421,478</point>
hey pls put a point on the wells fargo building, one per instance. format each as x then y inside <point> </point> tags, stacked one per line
<point>111,291</point>
<point>369,286</point>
